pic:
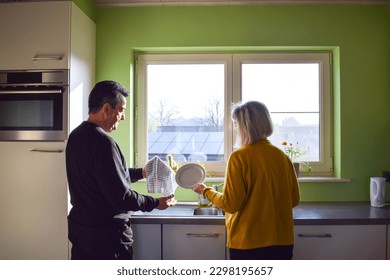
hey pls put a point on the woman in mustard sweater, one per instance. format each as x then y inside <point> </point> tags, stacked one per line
<point>260,190</point>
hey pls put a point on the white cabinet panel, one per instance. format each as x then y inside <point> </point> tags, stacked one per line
<point>82,65</point>
<point>340,242</point>
<point>38,30</point>
<point>33,201</point>
<point>194,242</point>
<point>147,241</point>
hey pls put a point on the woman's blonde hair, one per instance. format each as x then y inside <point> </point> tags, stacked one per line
<point>253,121</point>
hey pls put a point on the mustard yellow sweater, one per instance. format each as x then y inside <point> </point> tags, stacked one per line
<point>260,190</point>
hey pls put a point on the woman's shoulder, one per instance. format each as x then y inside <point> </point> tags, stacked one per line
<point>264,147</point>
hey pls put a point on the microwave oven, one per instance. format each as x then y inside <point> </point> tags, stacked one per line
<point>34,105</point>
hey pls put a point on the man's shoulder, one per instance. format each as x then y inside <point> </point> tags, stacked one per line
<point>86,128</point>
<point>89,133</point>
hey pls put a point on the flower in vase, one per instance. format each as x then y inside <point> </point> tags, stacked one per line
<point>293,152</point>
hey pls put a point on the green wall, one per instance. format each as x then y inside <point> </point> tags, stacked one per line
<point>88,7</point>
<point>359,36</point>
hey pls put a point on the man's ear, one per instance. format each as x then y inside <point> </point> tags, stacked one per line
<point>106,108</point>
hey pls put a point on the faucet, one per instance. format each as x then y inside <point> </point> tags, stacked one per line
<point>204,201</point>
<point>215,187</point>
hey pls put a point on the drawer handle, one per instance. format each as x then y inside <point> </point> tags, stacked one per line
<point>47,57</point>
<point>326,235</point>
<point>46,151</point>
<point>202,235</point>
<point>29,91</point>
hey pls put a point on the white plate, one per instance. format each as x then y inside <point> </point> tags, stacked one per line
<point>190,174</point>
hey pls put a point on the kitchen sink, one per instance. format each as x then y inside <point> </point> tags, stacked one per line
<point>183,209</point>
<point>209,211</point>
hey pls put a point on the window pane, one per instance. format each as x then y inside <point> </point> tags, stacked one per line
<point>291,91</point>
<point>185,105</point>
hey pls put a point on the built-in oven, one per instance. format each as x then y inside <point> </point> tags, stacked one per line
<point>34,105</point>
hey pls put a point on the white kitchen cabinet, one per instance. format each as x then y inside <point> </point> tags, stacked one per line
<point>47,35</point>
<point>33,201</point>
<point>340,242</point>
<point>35,35</point>
<point>51,35</point>
<point>33,185</point>
<point>147,241</point>
<point>193,242</point>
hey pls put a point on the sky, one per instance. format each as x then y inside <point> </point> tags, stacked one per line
<point>192,88</point>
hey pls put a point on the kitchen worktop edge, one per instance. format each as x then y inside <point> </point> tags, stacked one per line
<point>306,213</point>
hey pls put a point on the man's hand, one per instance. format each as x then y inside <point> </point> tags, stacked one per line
<point>165,202</point>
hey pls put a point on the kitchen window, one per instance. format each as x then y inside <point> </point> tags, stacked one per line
<point>183,104</point>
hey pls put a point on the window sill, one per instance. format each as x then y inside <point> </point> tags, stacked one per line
<point>323,180</point>
<point>300,179</point>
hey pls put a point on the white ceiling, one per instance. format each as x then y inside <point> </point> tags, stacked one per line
<point>228,2</point>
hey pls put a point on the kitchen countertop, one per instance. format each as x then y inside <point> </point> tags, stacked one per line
<point>340,213</point>
<point>306,213</point>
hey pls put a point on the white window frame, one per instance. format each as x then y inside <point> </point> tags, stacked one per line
<point>141,140</point>
<point>324,167</point>
<point>233,62</point>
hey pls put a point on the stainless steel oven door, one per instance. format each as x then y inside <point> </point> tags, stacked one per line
<point>34,113</point>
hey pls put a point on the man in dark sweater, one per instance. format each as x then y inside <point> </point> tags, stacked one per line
<point>100,181</point>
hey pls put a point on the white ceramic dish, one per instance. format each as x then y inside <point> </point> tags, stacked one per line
<point>190,174</point>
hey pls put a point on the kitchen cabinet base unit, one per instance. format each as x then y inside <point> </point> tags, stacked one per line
<point>33,201</point>
<point>147,241</point>
<point>340,242</point>
<point>194,242</point>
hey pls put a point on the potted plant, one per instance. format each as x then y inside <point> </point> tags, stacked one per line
<point>294,152</point>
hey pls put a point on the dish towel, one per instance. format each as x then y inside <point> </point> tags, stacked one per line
<point>160,177</point>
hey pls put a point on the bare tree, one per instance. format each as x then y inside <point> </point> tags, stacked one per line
<point>164,113</point>
<point>213,114</point>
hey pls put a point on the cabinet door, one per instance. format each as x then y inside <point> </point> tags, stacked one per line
<point>194,242</point>
<point>340,242</point>
<point>35,35</point>
<point>147,241</point>
<point>33,201</point>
